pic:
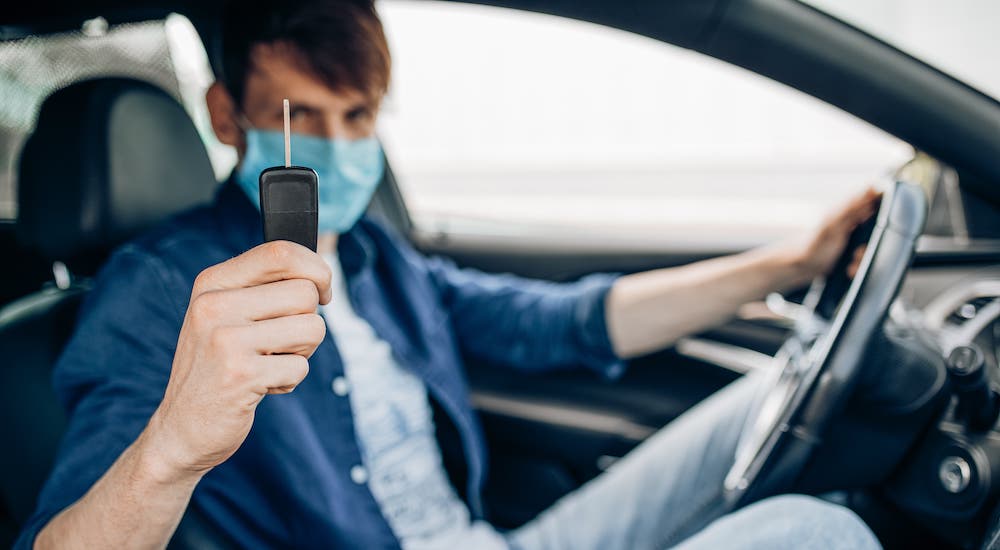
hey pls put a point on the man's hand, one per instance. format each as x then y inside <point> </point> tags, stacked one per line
<point>817,254</point>
<point>250,327</point>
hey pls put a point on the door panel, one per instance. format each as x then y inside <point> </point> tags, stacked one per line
<point>548,434</point>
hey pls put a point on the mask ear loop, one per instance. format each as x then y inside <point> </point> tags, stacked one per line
<point>242,122</point>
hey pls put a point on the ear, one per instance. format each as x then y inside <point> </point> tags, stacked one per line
<point>222,111</point>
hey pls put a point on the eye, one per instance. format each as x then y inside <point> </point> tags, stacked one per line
<point>359,114</point>
<point>298,113</point>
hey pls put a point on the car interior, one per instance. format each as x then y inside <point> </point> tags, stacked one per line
<point>923,474</point>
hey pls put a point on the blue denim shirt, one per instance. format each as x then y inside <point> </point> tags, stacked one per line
<point>289,483</point>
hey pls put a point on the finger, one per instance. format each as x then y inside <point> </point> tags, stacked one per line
<point>866,203</point>
<point>852,268</point>
<point>268,301</point>
<point>856,210</point>
<point>860,203</point>
<point>279,373</point>
<point>298,334</point>
<point>267,263</point>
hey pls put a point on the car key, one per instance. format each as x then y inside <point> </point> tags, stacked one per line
<point>289,200</point>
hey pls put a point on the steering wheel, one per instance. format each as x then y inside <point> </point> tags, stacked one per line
<point>819,364</point>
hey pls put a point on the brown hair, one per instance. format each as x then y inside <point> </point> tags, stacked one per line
<point>341,41</point>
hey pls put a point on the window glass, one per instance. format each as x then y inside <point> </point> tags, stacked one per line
<point>501,118</point>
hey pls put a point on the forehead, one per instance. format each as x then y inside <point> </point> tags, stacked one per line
<point>277,71</point>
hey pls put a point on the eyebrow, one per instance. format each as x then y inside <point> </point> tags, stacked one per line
<point>362,105</point>
<point>293,105</point>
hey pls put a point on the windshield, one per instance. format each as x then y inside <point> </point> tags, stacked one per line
<point>959,37</point>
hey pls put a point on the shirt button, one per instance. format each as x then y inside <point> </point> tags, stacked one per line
<point>340,386</point>
<point>359,474</point>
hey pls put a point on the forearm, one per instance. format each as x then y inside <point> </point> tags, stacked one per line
<point>136,504</point>
<point>648,311</point>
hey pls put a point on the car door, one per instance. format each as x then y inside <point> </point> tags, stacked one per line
<point>576,149</point>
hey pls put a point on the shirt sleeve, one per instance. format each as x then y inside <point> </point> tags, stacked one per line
<point>528,324</point>
<point>110,377</point>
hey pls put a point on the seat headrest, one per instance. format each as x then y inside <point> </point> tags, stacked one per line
<point>108,158</point>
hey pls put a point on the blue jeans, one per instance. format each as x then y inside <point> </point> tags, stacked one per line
<point>667,493</point>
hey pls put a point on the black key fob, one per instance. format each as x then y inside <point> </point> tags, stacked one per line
<point>289,203</point>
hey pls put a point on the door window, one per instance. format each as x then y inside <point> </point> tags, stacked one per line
<point>507,121</point>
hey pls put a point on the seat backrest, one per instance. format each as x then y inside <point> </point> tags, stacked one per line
<point>108,158</point>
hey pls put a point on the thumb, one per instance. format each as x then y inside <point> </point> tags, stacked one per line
<point>852,268</point>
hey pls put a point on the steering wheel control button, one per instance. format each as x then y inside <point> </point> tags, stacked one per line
<point>978,405</point>
<point>965,361</point>
<point>340,386</point>
<point>955,474</point>
<point>359,475</point>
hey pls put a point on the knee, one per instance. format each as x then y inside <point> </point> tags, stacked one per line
<point>813,521</point>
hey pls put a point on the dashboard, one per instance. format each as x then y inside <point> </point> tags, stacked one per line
<point>953,472</point>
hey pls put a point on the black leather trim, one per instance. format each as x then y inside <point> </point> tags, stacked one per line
<point>108,158</point>
<point>33,331</point>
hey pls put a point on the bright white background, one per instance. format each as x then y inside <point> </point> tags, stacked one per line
<point>531,119</point>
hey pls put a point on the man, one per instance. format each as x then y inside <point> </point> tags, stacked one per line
<point>177,402</point>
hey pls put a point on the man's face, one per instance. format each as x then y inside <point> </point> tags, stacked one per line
<point>315,109</point>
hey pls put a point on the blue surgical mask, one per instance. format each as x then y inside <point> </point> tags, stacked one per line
<point>348,170</point>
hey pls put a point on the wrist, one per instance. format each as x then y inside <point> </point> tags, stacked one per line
<point>158,457</point>
<point>792,265</point>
